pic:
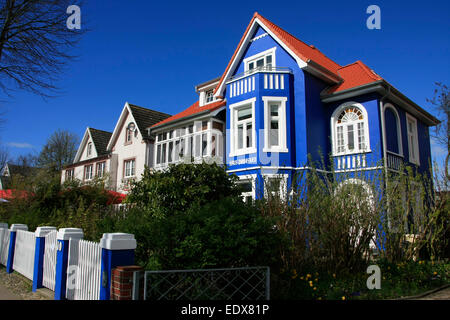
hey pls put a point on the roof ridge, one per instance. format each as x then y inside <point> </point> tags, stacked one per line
<point>147,109</point>
<point>313,47</point>
<point>90,128</point>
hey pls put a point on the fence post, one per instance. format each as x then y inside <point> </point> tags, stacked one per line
<point>63,236</point>
<point>117,250</point>
<point>38,269</point>
<point>12,244</point>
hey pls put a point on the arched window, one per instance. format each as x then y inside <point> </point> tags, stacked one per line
<point>350,133</point>
<point>393,129</point>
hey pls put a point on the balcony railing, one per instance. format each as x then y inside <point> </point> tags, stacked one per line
<point>259,69</point>
<point>394,161</point>
<point>350,162</point>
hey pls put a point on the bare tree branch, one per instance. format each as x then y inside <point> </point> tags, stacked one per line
<point>35,44</point>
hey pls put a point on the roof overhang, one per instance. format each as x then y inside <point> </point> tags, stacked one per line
<point>182,120</point>
<point>385,89</point>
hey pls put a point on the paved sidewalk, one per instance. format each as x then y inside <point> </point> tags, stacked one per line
<point>7,294</point>
<point>440,295</point>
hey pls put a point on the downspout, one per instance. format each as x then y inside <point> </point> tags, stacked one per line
<point>383,138</point>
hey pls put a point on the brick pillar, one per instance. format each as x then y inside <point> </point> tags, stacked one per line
<point>122,283</point>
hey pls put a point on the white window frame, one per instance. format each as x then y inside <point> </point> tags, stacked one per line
<point>102,165</point>
<point>181,140</point>
<point>132,168</point>
<point>269,52</point>
<point>283,183</point>
<point>282,127</point>
<point>413,158</point>
<point>399,127</point>
<point>91,176</point>
<point>249,178</point>
<point>233,128</point>
<point>334,135</point>
<point>89,149</point>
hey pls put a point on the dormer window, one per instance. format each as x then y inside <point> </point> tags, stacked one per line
<point>209,96</point>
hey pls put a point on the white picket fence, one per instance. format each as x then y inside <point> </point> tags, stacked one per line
<point>4,245</point>
<point>49,268</point>
<point>24,253</point>
<point>84,259</point>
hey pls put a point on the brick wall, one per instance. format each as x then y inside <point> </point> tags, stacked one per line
<point>122,282</point>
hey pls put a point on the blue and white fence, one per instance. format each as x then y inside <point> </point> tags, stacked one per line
<point>75,269</point>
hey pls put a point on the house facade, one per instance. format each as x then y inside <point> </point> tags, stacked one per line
<point>116,157</point>
<point>281,102</point>
<point>278,104</point>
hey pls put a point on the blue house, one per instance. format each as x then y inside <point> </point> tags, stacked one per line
<point>281,102</point>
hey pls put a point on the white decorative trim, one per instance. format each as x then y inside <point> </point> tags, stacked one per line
<point>303,168</point>
<point>259,37</point>
<point>69,233</point>
<point>118,241</point>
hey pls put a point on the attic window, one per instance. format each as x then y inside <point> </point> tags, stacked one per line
<point>89,149</point>
<point>209,96</point>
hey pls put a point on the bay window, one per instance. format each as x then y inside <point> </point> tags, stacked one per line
<point>199,140</point>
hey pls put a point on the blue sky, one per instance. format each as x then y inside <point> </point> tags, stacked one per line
<point>153,54</point>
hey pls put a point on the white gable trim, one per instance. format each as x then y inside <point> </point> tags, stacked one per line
<point>86,137</point>
<point>116,132</point>
<point>302,64</point>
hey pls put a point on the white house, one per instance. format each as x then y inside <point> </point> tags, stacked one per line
<point>117,157</point>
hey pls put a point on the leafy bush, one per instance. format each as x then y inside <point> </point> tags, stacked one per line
<point>223,233</point>
<point>181,186</point>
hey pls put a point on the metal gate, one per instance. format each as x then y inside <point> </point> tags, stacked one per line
<point>252,283</point>
<point>51,248</point>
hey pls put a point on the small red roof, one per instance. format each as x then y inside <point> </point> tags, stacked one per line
<point>354,75</point>
<point>192,110</point>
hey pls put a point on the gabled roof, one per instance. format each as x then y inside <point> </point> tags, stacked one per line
<point>307,56</point>
<point>100,139</point>
<point>194,109</point>
<point>146,118</point>
<point>143,117</point>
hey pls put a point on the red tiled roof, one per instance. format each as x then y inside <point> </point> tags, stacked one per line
<point>301,49</point>
<point>193,109</point>
<point>354,75</point>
